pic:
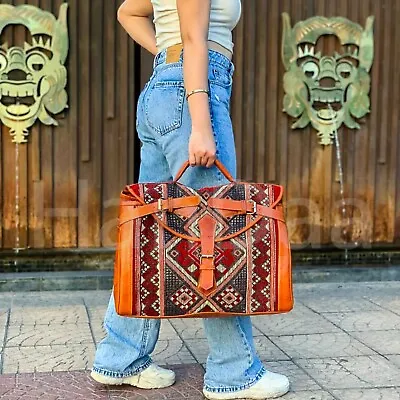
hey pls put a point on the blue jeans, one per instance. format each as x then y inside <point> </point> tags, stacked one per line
<point>164,125</point>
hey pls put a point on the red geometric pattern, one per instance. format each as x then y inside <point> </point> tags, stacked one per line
<point>169,266</point>
<point>184,298</point>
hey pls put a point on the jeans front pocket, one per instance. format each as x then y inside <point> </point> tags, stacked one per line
<point>164,106</point>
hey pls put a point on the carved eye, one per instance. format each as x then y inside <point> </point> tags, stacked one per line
<point>3,62</point>
<point>35,62</point>
<point>311,69</point>
<point>344,69</point>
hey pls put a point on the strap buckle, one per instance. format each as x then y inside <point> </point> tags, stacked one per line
<point>159,204</point>
<point>254,207</point>
<point>206,256</point>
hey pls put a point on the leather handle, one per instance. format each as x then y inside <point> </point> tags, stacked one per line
<point>218,164</point>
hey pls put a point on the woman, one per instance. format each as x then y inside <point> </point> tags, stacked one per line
<point>183,113</point>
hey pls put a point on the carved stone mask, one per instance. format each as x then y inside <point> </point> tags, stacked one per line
<point>327,90</point>
<point>33,78</point>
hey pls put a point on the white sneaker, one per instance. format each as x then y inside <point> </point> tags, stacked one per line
<point>153,377</point>
<point>270,386</point>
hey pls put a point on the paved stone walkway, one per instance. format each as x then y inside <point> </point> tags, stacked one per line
<point>342,341</point>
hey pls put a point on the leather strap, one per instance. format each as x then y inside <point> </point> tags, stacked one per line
<point>207,226</point>
<point>131,212</point>
<point>246,206</point>
<point>218,164</point>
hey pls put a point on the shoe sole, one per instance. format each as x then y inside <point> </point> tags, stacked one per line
<point>219,396</point>
<point>140,383</point>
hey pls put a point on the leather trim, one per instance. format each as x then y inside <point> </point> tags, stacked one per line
<point>285,287</point>
<point>123,279</point>
<point>246,206</point>
<point>129,212</point>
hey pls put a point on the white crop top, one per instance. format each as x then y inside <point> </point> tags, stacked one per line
<point>224,15</point>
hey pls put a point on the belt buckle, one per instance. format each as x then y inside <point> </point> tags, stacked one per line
<point>254,207</point>
<point>206,256</point>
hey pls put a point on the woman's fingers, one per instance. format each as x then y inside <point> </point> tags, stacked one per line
<point>210,161</point>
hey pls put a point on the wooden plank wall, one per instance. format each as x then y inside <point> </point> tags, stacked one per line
<point>70,176</point>
<point>268,150</point>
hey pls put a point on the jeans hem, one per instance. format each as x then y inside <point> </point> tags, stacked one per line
<point>230,389</point>
<point>126,374</point>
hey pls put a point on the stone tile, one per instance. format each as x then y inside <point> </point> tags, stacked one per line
<point>365,320</point>
<point>368,394</point>
<point>352,372</point>
<point>5,302</point>
<point>394,359</point>
<point>48,358</point>
<point>52,386</point>
<point>98,330</point>
<point>335,303</point>
<point>299,321</point>
<point>390,303</point>
<point>309,395</point>
<point>320,345</point>
<point>383,342</point>
<point>47,299</point>
<point>188,386</point>
<point>7,384</point>
<point>167,331</point>
<point>44,335</point>
<point>349,289</point>
<point>97,312</point>
<point>189,328</point>
<point>199,348</point>
<point>299,380</point>
<point>169,352</point>
<point>266,350</point>
<point>3,323</point>
<point>48,316</point>
<point>94,298</point>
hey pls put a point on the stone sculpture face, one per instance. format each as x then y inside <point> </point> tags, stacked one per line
<point>327,90</point>
<point>33,78</point>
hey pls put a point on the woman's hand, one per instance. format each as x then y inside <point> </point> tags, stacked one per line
<point>202,149</point>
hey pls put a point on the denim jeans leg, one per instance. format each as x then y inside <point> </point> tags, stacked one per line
<point>232,363</point>
<point>126,349</point>
<point>129,342</point>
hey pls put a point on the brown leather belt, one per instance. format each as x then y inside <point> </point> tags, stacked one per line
<point>174,52</point>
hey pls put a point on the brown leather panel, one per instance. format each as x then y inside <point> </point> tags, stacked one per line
<point>285,290</point>
<point>123,279</point>
<point>207,226</point>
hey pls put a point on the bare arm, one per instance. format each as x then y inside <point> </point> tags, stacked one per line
<point>134,16</point>
<point>194,16</point>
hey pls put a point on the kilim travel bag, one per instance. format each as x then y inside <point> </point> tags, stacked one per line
<point>213,252</point>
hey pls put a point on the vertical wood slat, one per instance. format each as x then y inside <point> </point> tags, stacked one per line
<point>64,211</point>
<point>273,56</point>
<point>260,92</point>
<point>114,132</point>
<point>394,167</point>
<point>85,48</point>
<point>249,90</point>
<point>376,74</point>
<point>110,57</point>
<point>359,157</point>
